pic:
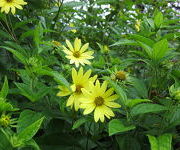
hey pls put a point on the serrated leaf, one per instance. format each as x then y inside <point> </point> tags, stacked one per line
<point>28,133</point>
<point>117,126</point>
<point>27,117</point>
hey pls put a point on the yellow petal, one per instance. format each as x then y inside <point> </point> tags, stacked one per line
<point>87,74</point>
<point>70,101</point>
<point>77,44</point>
<point>108,93</point>
<point>107,110</point>
<point>112,104</point>
<point>89,109</point>
<point>74,75</point>
<point>112,98</point>
<point>104,86</point>
<point>69,45</point>
<point>84,47</point>
<point>97,114</point>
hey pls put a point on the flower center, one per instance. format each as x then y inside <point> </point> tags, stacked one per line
<point>76,54</point>
<point>99,101</point>
<point>9,1</point>
<point>78,89</point>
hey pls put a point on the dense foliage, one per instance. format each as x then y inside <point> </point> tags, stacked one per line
<point>89,75</point>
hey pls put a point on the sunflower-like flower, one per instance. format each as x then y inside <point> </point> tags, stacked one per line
<point>77,54</point>
<point>81,81</point>
<point>11,5</point>
<point>100,100</point>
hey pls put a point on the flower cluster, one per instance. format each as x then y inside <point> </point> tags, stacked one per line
<point>87,92</point>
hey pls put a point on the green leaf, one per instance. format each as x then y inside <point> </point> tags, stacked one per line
<point>125,42</point>
<point>27,133</point>
<point>19,56</point>
<point>154,142</point>
<point>32,144</point>
<point>5,89</point>
<point>56,75</point>
<point>158,19</point>
<point>142,39</point>
<point>133,102</point>
<point>122,95</point>
<point>27,117</point>
<point>160,49</point>
<point>162,142</point>
<point>79,122</point>
<point>4,106</point>
<point>147,49</point>
<point>140,87</point>
<point>4,142</point>
<point>116,126</point>
<point>147,108</point>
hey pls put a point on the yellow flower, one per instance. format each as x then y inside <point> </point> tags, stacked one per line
<point>7,5</point>
<point>100,100</point>
<point>80,80</point>
<point>138,25</point>
<point>78,54</point>
<point>73,30</point>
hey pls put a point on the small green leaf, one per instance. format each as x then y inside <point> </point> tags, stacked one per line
<point>79,122</point>
<point>133,102</point>
<point>4,142</point>
<point>160,49</point>
<point>140,87</point>
<point>147,108</point>
<point>4,106</point>
<point>162,142</point>
<point>19,56</point>
<point>28,133</point>
<point>116,126</point>
<point>27,117</point>
<point>125,42</point>
<point>158,19</point>
<point>5,89</point>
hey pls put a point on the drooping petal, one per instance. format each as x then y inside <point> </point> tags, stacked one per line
<point>97,114</point>
<point>89,109</point>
